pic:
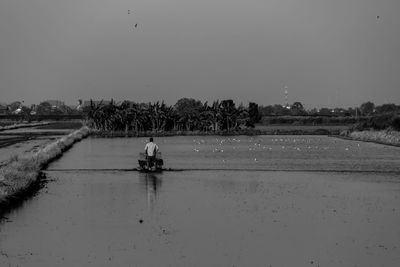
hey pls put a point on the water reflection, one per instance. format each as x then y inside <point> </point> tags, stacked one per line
<point>151,183</point>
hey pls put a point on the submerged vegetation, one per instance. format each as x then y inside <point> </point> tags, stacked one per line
<point>20,172</point>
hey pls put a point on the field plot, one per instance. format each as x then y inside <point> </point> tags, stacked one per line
<point>23,141</point>
<point>238,201</point>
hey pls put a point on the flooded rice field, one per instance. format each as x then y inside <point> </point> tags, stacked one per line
<point>234,201</point>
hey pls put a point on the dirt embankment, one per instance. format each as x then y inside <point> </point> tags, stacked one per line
<point>22,125</point>
<point>21,173</point>
<point>386,137</point>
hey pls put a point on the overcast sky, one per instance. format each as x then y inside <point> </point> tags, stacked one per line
<point>327,52</point>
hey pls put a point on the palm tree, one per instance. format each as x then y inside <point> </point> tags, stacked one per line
<point>216,114</point>
<point>229,113</point>
<point>208,117</point>
<point>242,117</point>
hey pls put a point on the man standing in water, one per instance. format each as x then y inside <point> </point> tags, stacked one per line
<point>151,150</point>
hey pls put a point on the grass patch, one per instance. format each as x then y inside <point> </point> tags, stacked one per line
<point>387,137</point>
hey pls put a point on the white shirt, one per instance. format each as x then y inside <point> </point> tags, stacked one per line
<point>150,148</point>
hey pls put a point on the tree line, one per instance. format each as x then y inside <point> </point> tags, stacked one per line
<point>297,109</point>
<point>186,115</point>
<point>192,115</point>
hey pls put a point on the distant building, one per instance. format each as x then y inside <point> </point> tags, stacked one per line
<point>17,111</point>
<point>87,103</point>
<point>79,107</point>
<point>15,107</point>
<point>55,103</point>
<point>33,109</point>
<point>3,109</point>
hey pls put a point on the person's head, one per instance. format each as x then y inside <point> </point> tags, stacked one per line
<point>151,139</point>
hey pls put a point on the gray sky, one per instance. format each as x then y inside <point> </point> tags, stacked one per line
<point>327,52</point>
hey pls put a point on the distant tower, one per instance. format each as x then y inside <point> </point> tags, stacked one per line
<point>286,105</point>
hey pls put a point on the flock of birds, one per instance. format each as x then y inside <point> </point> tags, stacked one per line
<point>276,144</point>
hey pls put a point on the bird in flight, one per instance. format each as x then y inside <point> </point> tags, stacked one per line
<point>136,25</point>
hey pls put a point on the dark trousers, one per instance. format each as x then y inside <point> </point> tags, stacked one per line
<point>151,160</point>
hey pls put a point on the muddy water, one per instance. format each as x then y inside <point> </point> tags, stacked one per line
<point>313,209</point>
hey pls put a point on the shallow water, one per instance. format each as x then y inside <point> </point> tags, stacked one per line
<point>301,214</point>
<point>262,152</point>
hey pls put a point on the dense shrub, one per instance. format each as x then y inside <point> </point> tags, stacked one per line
<point>396,123</point>
<point>379,122</point>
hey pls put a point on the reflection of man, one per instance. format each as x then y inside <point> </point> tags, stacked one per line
<point>152,184</point>
<point>151,150</point>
